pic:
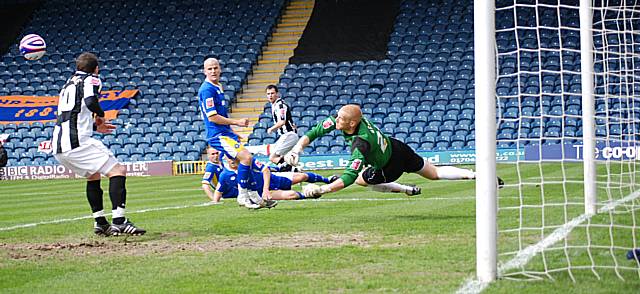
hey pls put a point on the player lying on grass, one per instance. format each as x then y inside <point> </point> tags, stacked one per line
<point>279,183</point>
<point>377,160</point>
<point>212,172</point>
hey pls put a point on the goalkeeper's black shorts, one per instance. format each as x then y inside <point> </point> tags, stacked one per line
<point>403,160</point>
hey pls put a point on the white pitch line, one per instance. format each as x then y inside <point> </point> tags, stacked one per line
<point>524,256</point>
<point>64,220</point>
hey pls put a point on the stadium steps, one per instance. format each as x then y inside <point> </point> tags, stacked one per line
<point>275,56</point>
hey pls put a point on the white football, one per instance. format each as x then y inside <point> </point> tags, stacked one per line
<point>32,47</point>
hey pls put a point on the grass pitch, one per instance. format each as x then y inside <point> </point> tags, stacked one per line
<point>351,241</point>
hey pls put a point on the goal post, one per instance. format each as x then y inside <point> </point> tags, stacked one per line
<point>485,114</point>
<point>588,107</point>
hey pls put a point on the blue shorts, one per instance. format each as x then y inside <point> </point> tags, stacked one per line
<point>277,183</point>
<point>280,183</point>
<point>227,145</point>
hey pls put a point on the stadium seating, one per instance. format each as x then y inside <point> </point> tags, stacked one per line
<point>422,93</point>
<point>147,45</point>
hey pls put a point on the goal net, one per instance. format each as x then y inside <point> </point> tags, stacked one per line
<point>543,230</point>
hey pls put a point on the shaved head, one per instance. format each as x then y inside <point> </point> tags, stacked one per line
<point>212,70</point>
<point>349,117</point>
<point>351,112</point>
<point>211,61</point>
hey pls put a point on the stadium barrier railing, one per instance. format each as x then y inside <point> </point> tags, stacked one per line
<point>188,167</point>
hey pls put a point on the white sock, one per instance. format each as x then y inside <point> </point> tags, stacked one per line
<point>243,196</point>
<point>118,212</point>
<point>254,197</point>
<point>454,173</point>
<point>391,187</point>
<point>98,214</point>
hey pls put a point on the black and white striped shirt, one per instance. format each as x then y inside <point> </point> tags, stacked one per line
<point>280,111</point>
<point>78,101</point>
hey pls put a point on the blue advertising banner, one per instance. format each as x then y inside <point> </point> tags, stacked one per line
<point>339,161</point>
<point>572,152</point>
<point>35,108</point>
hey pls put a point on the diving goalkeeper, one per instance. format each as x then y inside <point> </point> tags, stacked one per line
<point>377,160</point>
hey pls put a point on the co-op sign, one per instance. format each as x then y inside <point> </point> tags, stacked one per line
<point>611,151</point>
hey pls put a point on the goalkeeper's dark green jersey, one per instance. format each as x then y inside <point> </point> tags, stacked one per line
<point>369,146</point>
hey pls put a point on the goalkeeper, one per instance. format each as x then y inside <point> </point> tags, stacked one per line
<point>377,160</point>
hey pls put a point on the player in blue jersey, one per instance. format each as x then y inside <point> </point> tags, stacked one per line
<point>212,172</point>
<point>227,187</point>
<point>275,186</point>
<point>218,124</point>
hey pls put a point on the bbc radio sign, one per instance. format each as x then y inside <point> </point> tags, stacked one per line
<point>140,169</point>
<point>571,152</point>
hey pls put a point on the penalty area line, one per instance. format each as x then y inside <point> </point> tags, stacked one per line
<point>65,220</point>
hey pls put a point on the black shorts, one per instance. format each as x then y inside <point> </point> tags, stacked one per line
<point>403,160</point>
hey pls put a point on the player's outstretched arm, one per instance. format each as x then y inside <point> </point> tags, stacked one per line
<point>210,194</point>
<point>293,156</point>
<point>276,126</point>
<point>221,120</point>
<point>324,189</point>
<point>266,179</point>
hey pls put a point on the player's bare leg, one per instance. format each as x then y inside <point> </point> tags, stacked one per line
<point>286,195</point>
<point>275,158</point>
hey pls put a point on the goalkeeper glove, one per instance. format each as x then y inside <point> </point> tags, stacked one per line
<point>293,157</point>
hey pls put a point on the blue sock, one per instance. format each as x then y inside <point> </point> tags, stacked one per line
<point>243,175</point>
<point>274,169</point>
<point>313,178</point>
<point>300,195</point>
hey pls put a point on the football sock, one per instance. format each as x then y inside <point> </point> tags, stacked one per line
<point>391,187</point>
<point>313,178</point>
<point>118,195</point>
<point>454,173</point>
<point>94,195</point>
<point>300,195</point>
<point>274,169</point>
<point>243,176</point>
<point>117,216</point>
<point>99,217</point>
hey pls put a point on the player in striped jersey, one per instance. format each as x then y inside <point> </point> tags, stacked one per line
<point>376,159</point>
<point>73,146</point>
<point>283,126</point>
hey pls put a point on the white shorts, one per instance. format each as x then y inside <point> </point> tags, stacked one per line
<point>88,159</point>
<point>284,143</point>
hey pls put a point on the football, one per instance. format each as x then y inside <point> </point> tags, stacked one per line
<point>32,47</point>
